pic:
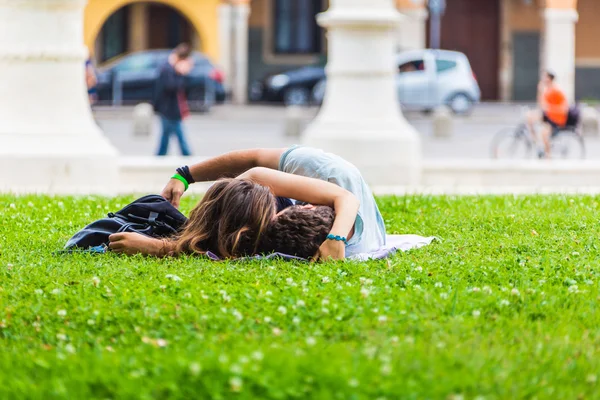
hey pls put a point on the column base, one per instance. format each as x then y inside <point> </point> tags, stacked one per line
<point>58,164</point>
<point>386,153</point>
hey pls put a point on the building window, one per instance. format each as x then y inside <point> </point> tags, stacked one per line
<point>296,28</point>
<point>114,35</point>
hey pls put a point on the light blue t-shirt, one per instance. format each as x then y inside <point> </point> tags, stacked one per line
<point>369,229</point>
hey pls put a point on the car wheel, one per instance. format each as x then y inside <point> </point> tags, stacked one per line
<point>460,104</point>
<point>296,97</point>
<point>318,92</point>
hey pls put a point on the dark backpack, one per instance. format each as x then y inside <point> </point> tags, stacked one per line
<point>150,215</point>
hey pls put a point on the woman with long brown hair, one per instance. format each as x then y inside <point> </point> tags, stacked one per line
<point>234,214</point>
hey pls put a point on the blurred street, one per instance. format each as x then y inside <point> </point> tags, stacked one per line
<point>230,127</point>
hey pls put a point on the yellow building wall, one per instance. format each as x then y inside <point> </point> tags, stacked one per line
<point>202,14</point>
<point>588,31</point>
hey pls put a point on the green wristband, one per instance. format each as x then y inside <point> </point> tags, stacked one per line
<point>182,180</point>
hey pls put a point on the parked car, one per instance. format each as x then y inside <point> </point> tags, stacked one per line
<point>293,87</point>
<point>131,79</point>
<point>425,80</point>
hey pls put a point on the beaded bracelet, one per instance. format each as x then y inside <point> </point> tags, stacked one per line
<point>337,237</point>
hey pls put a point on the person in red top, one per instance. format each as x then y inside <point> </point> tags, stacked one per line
<point>553,110</point>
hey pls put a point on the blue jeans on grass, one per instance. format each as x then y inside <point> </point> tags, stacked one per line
<point>169,127</point>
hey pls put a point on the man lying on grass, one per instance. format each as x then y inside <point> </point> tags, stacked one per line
<point>244,215</point>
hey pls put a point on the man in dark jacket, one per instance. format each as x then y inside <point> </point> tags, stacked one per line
<point>170,102</point>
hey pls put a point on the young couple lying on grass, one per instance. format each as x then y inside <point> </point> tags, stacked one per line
<point>247,215</point>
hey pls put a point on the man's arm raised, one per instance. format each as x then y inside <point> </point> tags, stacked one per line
<point>229,164</point>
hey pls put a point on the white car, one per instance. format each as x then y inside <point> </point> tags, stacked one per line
<point>430,78</point>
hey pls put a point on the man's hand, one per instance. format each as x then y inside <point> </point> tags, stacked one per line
<point>131,243</point>
<point>332,250</point>
<point>173,192</point>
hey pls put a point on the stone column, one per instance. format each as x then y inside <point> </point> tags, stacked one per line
<point>360,119</point>
<point>138,27</point>
<point>225,40</point>
<point>558,53</point>
<point>48,139</point>
<point>412,32</point>
<point>241,14</point>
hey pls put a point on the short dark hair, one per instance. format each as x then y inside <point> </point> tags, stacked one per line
<point>550,75</point>
<point>183,51</point>
<point>298,231</point>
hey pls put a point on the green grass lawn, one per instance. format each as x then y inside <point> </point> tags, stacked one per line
<point>505,306</point>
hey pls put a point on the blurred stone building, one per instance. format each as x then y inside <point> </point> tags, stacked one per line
<point>507,41</point>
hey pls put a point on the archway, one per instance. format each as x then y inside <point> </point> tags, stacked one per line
<point>199,16</point>
<point>143,26</point>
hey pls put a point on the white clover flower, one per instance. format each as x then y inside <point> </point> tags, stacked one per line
<point>30,204</point>
<point>267,320</point>
<point>419,269</point>
<point>91,322</point>
<point>348,284</point>
<point>325,279</point>
<point>476,289</point>
<point>62,313</point>
<point>173,277</point>
<point>268,293</point>
<point>296,320</point>
<point>487,290</point>
<point>541,281</point>
<point>353,382</point>
<point>386,369</point>
<point>282,310</point>
<point>515,292</point>
<point>325,310</point>
<point>236,369</point>
<point>289,281</point>
<point>362,280</point>
<point>394,339</point>
<point>38,291</point>
<point>69,348</point>
<point>161,287</point>
<point>382,318</point>
<point>591,378</point>
<point>55,291</point>
<point>311,341</point>
<point>277,331</point>
<point>476,313</point>
<point>244,360</point>
<point>504,302</point>
<point>573,289</point>
<point>364,292</point>
<point>12,205</point>
<point>195,368</point>
<point>236,383</point>
<point>589,282</point>
<point>301,303</point>
<point>161,342</point>
<point>325,302</point>
<point>417,287</point>
<point>444,295</point>
<point>257,355</point>
<point>237,315</point>
<point>61,336</point>
<point>438,285</point>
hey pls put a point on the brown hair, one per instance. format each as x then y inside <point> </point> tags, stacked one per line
<point>229,220</point>
<point>298,231</point>
<point>183,51</point>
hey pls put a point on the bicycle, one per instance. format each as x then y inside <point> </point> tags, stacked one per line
<point>516,143</point>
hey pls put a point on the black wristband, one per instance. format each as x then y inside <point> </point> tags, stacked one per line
<point>185,172</point>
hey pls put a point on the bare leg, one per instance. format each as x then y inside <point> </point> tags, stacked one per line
<point>546,133</point>
<point>533,117</point>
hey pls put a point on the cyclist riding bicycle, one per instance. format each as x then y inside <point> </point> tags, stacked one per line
<point>553,110</point>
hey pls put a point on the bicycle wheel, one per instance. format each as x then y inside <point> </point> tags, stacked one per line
<point>512,143</point>
<point>568,145</point>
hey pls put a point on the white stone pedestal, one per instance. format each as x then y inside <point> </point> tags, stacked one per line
<point>49,141</point>
<point>412,32</point>
<point>360,119</point>
<point>558,54</point>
